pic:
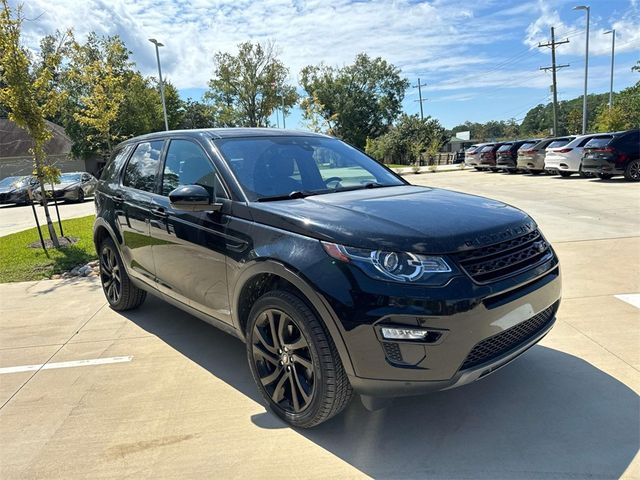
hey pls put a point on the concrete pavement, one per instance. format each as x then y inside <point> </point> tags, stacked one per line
<point>185,406</point>
<point>15,218</point>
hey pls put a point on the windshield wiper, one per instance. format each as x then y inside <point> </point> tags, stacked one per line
<point>363,187</point>
<point>289,196</point>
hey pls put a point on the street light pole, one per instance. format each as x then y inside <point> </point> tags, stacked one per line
<point>164,106</point>
<point>613,54</point>
<point>586,69</point>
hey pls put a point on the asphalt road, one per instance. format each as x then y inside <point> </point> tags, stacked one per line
<point>14,218</point>
<point>156,393</point>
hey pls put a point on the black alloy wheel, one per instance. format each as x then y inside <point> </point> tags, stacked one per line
<point>632,172</point>
<point>283,360</point>
<point>294,361</point>
<point>121,293</point>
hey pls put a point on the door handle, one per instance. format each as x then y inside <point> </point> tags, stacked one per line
<point>159,211</point>
<point>118,198</point>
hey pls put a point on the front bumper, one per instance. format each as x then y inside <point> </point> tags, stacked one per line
<point>71,194</point>
<point>461,314</point>
<point>19,197</point>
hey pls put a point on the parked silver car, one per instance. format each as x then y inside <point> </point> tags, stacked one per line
<point>72,187</point>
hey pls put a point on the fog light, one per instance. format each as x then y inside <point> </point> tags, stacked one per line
<point>404,333</point>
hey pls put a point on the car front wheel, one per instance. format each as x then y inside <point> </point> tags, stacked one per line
<point>294,361</point>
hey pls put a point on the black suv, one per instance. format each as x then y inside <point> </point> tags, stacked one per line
<point>615,154</point>
<point>338,274</point>
<point>507,154</point>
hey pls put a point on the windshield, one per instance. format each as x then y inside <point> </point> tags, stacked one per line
<point>598,142</point>
<point>10,181</point>
<point>279,166</point>
<point>558,143</point>
<point>70,177</point>
<point>526,146</point>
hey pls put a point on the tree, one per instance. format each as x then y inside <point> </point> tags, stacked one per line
<point>354,102</point>
<point>196,115</point>
<point>28,95</point>
<point>248,87</point>
<point>98,74</point>
<point>408,140</point>
<point>624,114</point>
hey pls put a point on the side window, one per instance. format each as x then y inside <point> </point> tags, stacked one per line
<point>116,161</point>
<point>188,164</point>
<point>143,165</point>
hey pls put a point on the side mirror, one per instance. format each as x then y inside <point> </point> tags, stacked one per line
<point>193,198</point>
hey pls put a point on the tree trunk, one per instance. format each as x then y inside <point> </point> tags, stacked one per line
<point>43,193</point>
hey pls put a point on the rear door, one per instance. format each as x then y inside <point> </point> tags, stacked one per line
<point>190,248</point>
<point>133,204</point>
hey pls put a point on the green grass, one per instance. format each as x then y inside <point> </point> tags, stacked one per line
<point>396,165</point>
<point>20,263</point>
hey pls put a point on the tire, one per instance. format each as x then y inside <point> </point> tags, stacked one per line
<point>632,172</point>
<point>479,168</point>
<point>278,321</point>
<point>121,293</point>
<point>535,172</point>
<point>564,174</point>
<point>584,174</point>
<point>605,176</point>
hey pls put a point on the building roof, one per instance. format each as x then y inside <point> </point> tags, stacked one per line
<point>15,142</point>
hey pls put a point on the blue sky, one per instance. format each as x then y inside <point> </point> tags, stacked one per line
<point>479,59</point>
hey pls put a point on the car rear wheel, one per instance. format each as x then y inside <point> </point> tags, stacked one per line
<point>564,174</point>
<point>605,176</point>
<point>632,172</point>
<point>535,172</point>
<point>121,293</point>
<point>294,361</point>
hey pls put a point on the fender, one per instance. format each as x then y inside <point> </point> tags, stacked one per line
<point>318,302</point>
<point>101,222</point>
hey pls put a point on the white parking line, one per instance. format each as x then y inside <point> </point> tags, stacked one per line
<point>630,298</point>
<point>74,363</point>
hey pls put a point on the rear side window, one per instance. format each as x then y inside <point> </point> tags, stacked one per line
<point>629,141</point>
<point>142,168</point>
<point>188,164</point>
<point>598,142</point>
<point>558,143</point>
<point>115,163</point>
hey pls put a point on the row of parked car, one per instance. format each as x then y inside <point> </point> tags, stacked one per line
<point>603,155</point>
<point>72,187</point>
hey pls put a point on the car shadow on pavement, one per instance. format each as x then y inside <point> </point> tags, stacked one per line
<point>548,414</point>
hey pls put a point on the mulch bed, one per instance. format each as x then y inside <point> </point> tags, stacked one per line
<point>64,242</point>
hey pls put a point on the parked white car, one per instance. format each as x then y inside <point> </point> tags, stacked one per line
<point>567,159</point>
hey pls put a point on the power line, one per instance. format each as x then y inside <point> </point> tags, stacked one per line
<point>420,85</point>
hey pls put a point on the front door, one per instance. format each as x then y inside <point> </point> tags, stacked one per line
<point>189,248</point>
<point>133,209</point>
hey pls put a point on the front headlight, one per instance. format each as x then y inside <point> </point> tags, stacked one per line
<point>396,266</point>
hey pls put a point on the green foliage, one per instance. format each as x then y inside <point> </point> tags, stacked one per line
<point>249,86</point>
<point>625,111</point>
<point>491,130</point>
<point>354,102</point>
<point>196,114</point>
<point>18,263</point>
<point>407,141</point>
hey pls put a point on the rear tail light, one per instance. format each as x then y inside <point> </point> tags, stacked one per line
<point>528,151</point>
<point>564,150</point>
<point>603,150</point>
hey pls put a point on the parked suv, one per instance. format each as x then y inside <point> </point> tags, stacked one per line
<point>339,275</point>
<point>488,156</point>
<point>507,154</point>
<point>472,155</point>
<point>531,158</point>
<point>615,154</point>
<point>567,159</point>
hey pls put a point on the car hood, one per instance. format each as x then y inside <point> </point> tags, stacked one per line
<point>62,186</point>
<point>407,218</point>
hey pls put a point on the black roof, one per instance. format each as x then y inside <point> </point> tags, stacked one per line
<point>235,132</point>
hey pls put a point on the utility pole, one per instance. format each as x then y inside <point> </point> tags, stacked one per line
<point>164,106</point>
<point>420,85</point>
<point>553,69</point>
<point>587,9</point>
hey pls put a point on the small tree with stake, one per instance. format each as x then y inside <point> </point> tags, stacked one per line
<point>28,94</point>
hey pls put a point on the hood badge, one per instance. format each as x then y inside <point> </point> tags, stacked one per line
<point>501,237</point>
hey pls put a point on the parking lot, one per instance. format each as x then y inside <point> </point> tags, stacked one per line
<point>156,393</point>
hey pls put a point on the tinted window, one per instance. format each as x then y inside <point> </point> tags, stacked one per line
<point>188,164</point>
<point>598,142</point>
<point>630,140</point>
<point>273,166</point>
<point>143,166</point>
<point>558,143</point>
<point>488,148</point>
<point>114,165</point>
<point>506,147</point>
<point>526,146</point>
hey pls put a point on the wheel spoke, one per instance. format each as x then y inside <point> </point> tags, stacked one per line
<point>278,392</point>
<point>269,357</point>
<point>298,344</point>
<point>272,377</point>
<point>272,327</point>
<point>263,341</point>
<point>281,325</point>
<point>294,393</point>
<point>303,361</point>
<point>104,264</point>
<point>305,396</point>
